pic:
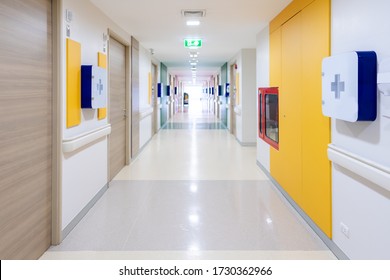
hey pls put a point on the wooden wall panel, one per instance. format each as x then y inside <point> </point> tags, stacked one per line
<point>26,128</point>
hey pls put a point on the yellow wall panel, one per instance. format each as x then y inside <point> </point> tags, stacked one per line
<point>276,156</point>
<point>291,10</point>
<point>102,113</point>
<point>73,83</point>
<point>102,62</point>
<point>316,167</point>
<point>276,58</point>
<point>286,166</point>
<point>301,165</point>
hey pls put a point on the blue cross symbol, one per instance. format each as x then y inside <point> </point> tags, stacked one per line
<point>100,87</point>
<point>337,86</point>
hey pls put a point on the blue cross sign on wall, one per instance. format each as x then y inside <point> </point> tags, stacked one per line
<point>349,86</point>
<point>337,86</point>
<point>100,87</point>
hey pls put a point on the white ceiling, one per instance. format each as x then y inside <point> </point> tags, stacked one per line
<point>228,27</point>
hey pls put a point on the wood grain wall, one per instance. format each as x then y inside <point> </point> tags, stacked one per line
<point>25,128</point>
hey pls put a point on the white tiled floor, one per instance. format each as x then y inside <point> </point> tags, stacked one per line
<point>192,194</point>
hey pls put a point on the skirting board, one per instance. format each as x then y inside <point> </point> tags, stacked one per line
<point>141,149</point>
<point>328,242</point>
<point>246,144</point>
<point>83,212</point>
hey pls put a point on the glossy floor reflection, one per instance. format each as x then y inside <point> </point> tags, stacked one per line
<point>192,193</point>
<point>191,216</point>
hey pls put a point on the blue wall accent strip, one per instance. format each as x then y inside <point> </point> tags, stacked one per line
<point>367,77</point>
<point>86,86</point>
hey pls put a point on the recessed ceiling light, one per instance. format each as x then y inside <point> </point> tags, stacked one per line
<point>194,54</point>
<point>193,22</point>
<point>193,63</point>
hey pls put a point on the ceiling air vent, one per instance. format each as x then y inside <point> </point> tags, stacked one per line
<point>193,13</point>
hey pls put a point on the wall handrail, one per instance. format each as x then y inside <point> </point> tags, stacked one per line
<point>145,112</point>
<point>372,171</point>
<point>74,143</point>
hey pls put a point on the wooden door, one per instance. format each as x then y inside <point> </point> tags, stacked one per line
<point>25,128</point>
<point>117,68</point>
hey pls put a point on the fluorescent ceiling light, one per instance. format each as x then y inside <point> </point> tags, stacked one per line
<point>193,63</point>
<point>193,22</point>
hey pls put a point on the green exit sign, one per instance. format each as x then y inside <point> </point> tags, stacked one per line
<point>192,43</point>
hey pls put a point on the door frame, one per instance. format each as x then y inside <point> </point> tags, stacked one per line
<point>56,204</point>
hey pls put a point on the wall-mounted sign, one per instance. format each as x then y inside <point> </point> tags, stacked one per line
<point>349,86</point>
<point>93,87</point>
<point>192,43</point>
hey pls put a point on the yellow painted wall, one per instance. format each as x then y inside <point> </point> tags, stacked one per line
<point>102,62</point>
<point>301,165</point>
<point>73,83</point>
<point>291,10</point>
<point>316,187</point>
<point>286,163</point>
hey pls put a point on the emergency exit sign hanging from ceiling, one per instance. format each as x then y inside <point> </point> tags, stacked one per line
<point>192,43</point>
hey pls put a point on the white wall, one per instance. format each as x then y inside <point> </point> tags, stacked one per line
<point>145,133</point>
<point>358,203</point>
<point>246,119</point>
<point>262,66</point>
<point>145,67</point>
<point>145,126</point>
<point>248,96</point>
<point>84,172</point>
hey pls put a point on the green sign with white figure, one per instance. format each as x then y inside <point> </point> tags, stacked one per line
<point>192,43</point>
